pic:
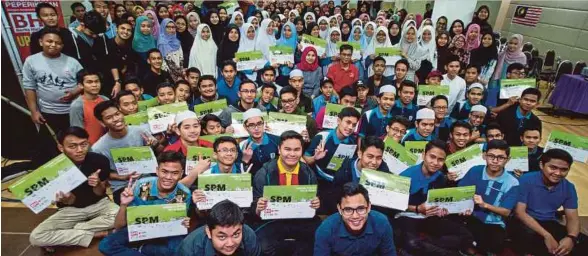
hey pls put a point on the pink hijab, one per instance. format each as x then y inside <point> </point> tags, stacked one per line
<point>472,44</point>
<point>155,23</point>
<point>506,57</point>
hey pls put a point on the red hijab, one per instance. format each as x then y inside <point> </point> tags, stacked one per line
<point>303,65</point>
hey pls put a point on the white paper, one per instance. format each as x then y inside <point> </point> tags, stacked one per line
<point>299,210</point>
<point>455,207</point>
<point>343,151</point>
<point>161,124</point>
<point>281,59</point>
<point>251,64</point>
<point>463,168</point>
<point>394,165</point>
<point>154,230</point>
<point>391,60</point>
<point>241,198</point>
<point>277,128</point>
<point>521,164</point>
<point>67,181</point>
<point>330,122</point>
<point>387,198</point>
<point>514,91</point>
<point>578,154</point>
<point>319,50</point>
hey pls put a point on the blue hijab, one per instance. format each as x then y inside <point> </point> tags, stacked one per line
<point>141,42</point>
<point>291,42</point>
<point>167,42</point>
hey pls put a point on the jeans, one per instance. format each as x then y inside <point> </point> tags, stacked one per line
<point>118,244</point>
<point>271,236</point>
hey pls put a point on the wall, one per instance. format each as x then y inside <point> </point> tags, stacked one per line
<point>563,27</point>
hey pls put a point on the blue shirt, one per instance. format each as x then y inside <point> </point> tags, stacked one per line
<point>408,111</point>
<point>331,144</point>
<point>230,93</point>
<point>442,131</point>
<point>215,169</point>
<point>413,135</point>
<point>420,185</point>
<point>500,191</point>
<point>320,102</point>
<point>542,202</point>
<point>197,243</point>
<point>373,123</point>
<point>332,238</point>
<point>146,193</point>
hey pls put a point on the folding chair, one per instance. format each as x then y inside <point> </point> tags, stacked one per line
<point>527,47</point>
<point>565,67</point>
<point>547,72</point>
<point>578,68</point>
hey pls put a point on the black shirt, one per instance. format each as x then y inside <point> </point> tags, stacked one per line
<point>121,57</point>
<point>66,36</point>
<point>84,194</point>
<point>151,80</point>
<point>306,103</point>
<point>512,124</point>
<point>374,90</point>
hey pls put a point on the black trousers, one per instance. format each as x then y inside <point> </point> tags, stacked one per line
<point>432,236</point>
<point>47,148</point>
<point>488,237</point>
<point>272,236</point>
<point>525,240</point>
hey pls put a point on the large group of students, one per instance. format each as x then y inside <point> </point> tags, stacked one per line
<point>83,80</point>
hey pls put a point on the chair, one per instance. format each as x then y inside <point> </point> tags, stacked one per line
<point>527,47</point>
<point>547,71</point>
<point>535,52</point>
<point>565,67</point>
<point>529,60</point>
<point>578,68</point>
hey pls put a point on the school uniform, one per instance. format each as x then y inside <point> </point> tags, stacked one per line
<point>487,227</point>
<point>442,131</point>
<point>373,123</point>
<point>408,111</point>
<point>534,159</point>
<point>413,135</point>
<point>264,152</point>
<point>512,121</point>
<point>461,110</point>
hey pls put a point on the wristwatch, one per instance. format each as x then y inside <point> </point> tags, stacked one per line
<point>574,238</point>
<point>119,81</point>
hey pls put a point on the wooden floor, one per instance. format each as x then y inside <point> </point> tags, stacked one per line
<point>18,221</point>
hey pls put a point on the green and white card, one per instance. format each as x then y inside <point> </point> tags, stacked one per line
<point>386,189</point>
<point>417,148</point>
<point>519,159</point>
<point>427,92</point>
<point>154,221</point>
<point>576,145</point>
<point>37,189</point>
<point>250,60</point>
<point>461,161</point>
<point>289,202</point>
<point>134,159</point>
<point>213,107</point>
<point>515,87</point>
<point>455,200</point>
<point>343,151</point>
<point>397,157</point>
<point>237,124</point>
<point>218,187</point>
<point>390,54</point>
<point>196,154</point>
<point>145,104</point>
<point>138,118</point>
<point>319,44</point>
<point>281,122</point>
<point>281,54</point>
<point>356,49</point>
<point>161,117</point>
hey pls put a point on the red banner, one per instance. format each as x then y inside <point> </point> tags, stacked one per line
<point>23,22</point>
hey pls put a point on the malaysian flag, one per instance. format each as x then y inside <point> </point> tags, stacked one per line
<point>526,15</point>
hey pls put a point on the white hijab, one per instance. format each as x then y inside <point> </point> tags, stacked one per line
<point>429,47</point>
<point>232,21</point>
<point>263,40</point>
<point>332,49</point>
<point>323,33</point>
<point>413,50</point>
<point>357,19</point>
<point>203,53</point>
<point>309,14</point>
<point>246,44</point>
<point>265,14</point>
<point>371,49</point>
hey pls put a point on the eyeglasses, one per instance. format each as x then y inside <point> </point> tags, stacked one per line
<point>290,101</point>
<point>226,150</point>
<point>477,117</point>
<point>396,130</point>
<point>497,136</point>
<point>248,91</point>
<point>493,157</point>
<point>254,126</point>
<point>348,211</point>
<point>440,108</point>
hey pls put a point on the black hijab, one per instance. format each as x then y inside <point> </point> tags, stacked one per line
<point>186,40</point>
<point>485,27</point>
<point>344,36</point>
<point>442,52</point>
<point>394,39</point>
<point>481,56</point>
<point>227,47</point>
<point>216,30</point>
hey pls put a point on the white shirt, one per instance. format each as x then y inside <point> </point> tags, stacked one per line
<point>457,89</point>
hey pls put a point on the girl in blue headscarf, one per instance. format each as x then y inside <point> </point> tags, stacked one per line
<point>171,49</point>
<point>143,41</point>
<point>355,36</point>
<point>288,38</point>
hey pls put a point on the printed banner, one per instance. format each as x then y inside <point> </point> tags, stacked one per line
<point>194,155</point>
<point>281,122</point>
<point>252,60</point>
<point>515,87</point>
<point>397,157</point>
<point>139,118</point>
<point>390,54</point>
<point>356,49</point>
<point>576,145</point>
<point>519,159</point>
<point>24,21</point>
<point>237,124</point>
<point>385,189</point>
<point>343,151</point>
<point>134,159</point>
<point>427,92</point>
<point>218,187</point>
<point>143,105</point>
<point>37,189</point>
<point>213,107</point>
<point>319,44</point>
<point>153,221</point>
<point>455,200</point>
<point>288,202</point>
<point>461,161</point>
<point>417,148</point>
<point>281,55</point>
<point>161,117</point>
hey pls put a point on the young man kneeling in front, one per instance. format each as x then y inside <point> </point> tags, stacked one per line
<point>355,229</point>
<point>224,234</point>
